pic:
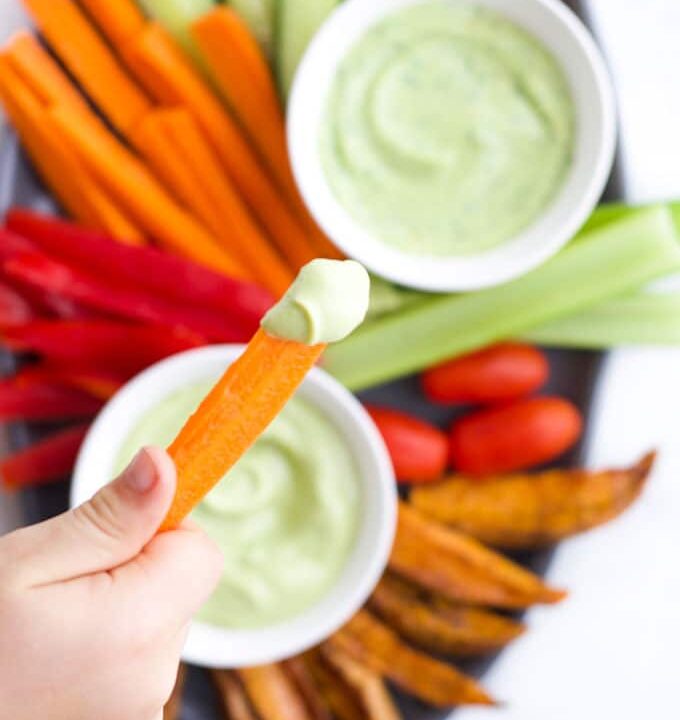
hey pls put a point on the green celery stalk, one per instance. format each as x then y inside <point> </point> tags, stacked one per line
<point>177,16</point>
<point>610,261</point>
<point>645,318</point>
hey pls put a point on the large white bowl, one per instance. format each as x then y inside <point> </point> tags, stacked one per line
<point>573,47</point>
<point>217,647</point>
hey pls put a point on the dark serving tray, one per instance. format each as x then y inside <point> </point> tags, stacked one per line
<point>573,376</point>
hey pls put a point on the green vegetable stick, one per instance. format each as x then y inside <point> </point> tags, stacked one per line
<point>646,318</point>
<point>609,262</point>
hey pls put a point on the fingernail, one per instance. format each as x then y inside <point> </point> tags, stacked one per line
<point>141,475</point>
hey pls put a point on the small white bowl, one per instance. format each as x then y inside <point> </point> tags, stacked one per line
<point>213,646</point>
<point>563,33</point>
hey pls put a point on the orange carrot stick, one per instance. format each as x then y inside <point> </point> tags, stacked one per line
<point>168,76</point>
<point>138,191</point>
<point>92,63</point>
<point>237,410</point>
<point>234,218</point>
<point>242,74</point>
<point>60,169</point>
<point>118,21</point>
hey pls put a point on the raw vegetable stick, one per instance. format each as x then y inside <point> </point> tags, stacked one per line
<point>168,276</point>
<point>58,166</point>
<point>95,381</point>
<point>642,246</point>
<point>445,561</point>
<point>175,135</point>
<point>160,66</point>
<point>242,74</point>
<point>138,191</point>
<point>273,693</point>
<point>367,640</point>
<point>233,698</point>
<point>89,59</point>
<point>327,301</point>
<point>15,309</point>
<point>458,630</point>
<point>525,511</point>
<point>119,21</point>
<point>367,686</point>
<point>49,459</point>
<point>41,402</point>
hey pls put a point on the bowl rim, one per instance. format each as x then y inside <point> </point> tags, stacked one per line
<point>594,101</point>
<point>212,646</point>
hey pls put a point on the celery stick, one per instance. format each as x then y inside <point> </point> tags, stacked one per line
<point>176,16</point>
<point>645,318</point>
<point>613,260</point>
<point>259,16</point>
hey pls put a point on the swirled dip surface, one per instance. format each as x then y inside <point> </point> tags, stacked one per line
<point>448,129</point>
<point>285,516</point>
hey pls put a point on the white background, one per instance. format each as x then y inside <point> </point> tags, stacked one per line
<point>609,651</point>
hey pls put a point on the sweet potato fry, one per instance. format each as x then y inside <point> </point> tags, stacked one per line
<point>441,627</point>
<point>233,698</point>
<point>460,568</point>
<point>272,693</point>
<point>337,693</point>
<point>310,691</point>
<point>368,641</point>
<point>374,697</point>
<point>527,511</point>
<point>173,706</point>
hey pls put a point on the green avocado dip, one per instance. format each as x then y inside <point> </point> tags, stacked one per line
<point>447,129</point>
<point>285,516</point>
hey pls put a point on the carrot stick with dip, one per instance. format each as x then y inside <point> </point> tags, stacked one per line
<point>325,303</point>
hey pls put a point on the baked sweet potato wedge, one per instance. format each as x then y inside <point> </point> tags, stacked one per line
<point>233,698</point>
<point>446,561</point>
<point>438,626</point>
<point>528,511</point>
<point>174,705</point>
<point>368,641</point>
<point>339,696</point>
<point>308,688</point>
<point>272,693</point>
<point>367,686</point>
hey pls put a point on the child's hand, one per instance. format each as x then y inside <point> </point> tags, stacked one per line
<point>94,608</point>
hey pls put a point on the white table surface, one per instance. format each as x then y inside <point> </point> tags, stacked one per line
<point>609,650</point>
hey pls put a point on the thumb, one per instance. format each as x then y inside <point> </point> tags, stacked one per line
<point>108,530</point>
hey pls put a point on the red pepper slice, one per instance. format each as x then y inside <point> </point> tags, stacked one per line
<point>167,275</point>
<point>105,345</point>
<point>98,382</point>
<point>40,402</point>
<point>45,461</point>
<point>14,308</point>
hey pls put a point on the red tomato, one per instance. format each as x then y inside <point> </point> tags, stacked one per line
<point>497,374</point>
<point>419,450</point>
<point>514,437</point>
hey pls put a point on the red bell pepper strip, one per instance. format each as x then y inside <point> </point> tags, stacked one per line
<point>38,270</point>
<point>12,243</point>
<point>106,345</point>
<point>45,461</point>
<point>14,308</point>
<point>167,275</point>
<point>44,402</point>
<point>96,381</point>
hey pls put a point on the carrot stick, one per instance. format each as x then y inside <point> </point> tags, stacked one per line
<point>34,81</point>
<point>242,74</point>
<point>248,397</point>
<point>92,63</point>
<point>140,194</point>
<point>60,169</point>
<point>118,21</point>
<point>250,244</point>
<point>168,76</point>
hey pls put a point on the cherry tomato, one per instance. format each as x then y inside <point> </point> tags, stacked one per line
<point>419,450</point>
<point>496,374</point>
<point>514,437</point>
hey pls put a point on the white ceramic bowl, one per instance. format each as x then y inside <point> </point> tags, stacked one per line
<point>213,646</point>
<point>573,47</point>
